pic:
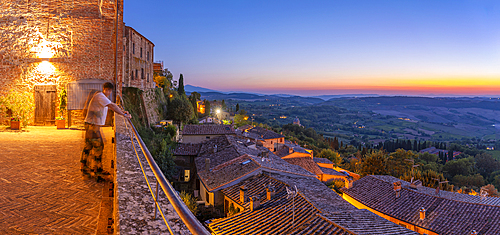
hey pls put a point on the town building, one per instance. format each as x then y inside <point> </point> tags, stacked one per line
<point>54,45</point>
<point>201,133</point>
<point>290,150</point>
<point>425,210</point>
<point>184,156</point>
<point>267,138</point>
<point>138,60</point>
<point>296,121</point>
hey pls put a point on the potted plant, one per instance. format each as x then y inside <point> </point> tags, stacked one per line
<point>15,124</point>
<point>21,106</point>
<point>60,121</point>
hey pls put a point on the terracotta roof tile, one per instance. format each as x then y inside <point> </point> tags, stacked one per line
<point>183,149</point>
<point>231,147</point>
<point>306,163</point>
<point>322,160</point>
<point>443,215</point>
<point>330,171</point>
<point>208,130</point>
<point>264,133</point>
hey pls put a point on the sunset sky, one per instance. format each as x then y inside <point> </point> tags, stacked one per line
<point>327,47</point>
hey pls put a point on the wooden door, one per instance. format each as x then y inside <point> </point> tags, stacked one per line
<point>45,105</point>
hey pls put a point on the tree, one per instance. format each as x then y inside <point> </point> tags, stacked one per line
<point>237,108</point>
<point>331,155</point>
<point>190,202</point>
<point>181,85</point>
<point>491,190</point>
<point>223,104</point>
<point>458,167</point>
<point>207,107</point>
<point>486,164</point>
<point>180,109</point>
<point>163,79</point>
<point>193,98</point>
<point>400,162</point>
<point>374,163</point>
<point>476,180</point>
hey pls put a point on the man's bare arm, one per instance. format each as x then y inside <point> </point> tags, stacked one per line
<point>118,110</point>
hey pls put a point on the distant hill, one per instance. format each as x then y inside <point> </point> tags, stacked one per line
<point>190,88</point>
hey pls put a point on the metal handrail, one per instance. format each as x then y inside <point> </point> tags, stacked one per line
<point>194,226</point>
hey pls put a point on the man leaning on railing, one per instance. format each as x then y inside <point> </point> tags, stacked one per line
<point>96,109</point>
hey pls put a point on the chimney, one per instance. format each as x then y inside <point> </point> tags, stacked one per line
<point>348,183</point>
<point>270,192</point>
<point>207,164</point>
<point>397,188</point>
<point>254,203</point>
<point>290,150</point>
<point>243,192</point>
<point>422,213</point>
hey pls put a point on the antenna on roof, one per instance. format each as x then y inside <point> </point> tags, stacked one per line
<point>439,184</point>
<point>291,194</point>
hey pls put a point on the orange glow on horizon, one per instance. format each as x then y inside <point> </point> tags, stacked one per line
<point>410,86</point>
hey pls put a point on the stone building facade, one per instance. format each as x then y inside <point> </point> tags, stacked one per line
<point>48,44</point>
<point>138,60</point>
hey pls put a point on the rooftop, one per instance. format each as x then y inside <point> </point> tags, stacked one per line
<point>445,214</point>
<point>306,163</point>
<point>183,149</point>
<point>322,160</point>
<point>228,161</point>
<point>264,133</point>
<point>330,171</point>
<point>208,130</point>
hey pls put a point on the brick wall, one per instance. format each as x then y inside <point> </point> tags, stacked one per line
<point>138,60</point>
<point>81,34</point>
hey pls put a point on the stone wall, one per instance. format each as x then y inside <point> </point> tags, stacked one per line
<point>153,99</point>
<point>134,204</point>
<point>77,35</point>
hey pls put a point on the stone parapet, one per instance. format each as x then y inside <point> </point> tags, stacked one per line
<point>134,204</point>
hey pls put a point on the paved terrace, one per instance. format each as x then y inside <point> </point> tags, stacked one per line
<point>41,188</point>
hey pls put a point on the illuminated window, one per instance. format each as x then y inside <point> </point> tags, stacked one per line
<point>187,174</point>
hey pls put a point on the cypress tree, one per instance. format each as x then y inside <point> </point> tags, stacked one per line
<point>237,108</point>
<point>181,86</point>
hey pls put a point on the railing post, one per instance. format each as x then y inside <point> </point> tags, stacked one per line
<point>156,199</point>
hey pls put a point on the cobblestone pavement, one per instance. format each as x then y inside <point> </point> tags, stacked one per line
<point>41,188</point>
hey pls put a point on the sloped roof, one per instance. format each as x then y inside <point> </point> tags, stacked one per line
<point>184,149</point>
<point>366,222</point>
<point>306,163</point>
<point>311,216</point>
<point>443,215</point>
<point>224,170</point>
<point>322,160</point>
<point>208,129</point>
<point>264,133</point>
<point>330,171</point>
<point>273,216</point>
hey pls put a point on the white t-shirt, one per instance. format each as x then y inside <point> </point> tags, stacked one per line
<point>98,109</point>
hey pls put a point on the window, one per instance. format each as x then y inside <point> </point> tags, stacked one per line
<point>147,56</point>
<point>142,73</point>
<point>133,48</point>
<point>136,77</point>
<point>132,75</point>
<point>147,77</point>
<point>207,197</point>
<point>141,52</point>
<point>187,175</point>
<point>208,137</point>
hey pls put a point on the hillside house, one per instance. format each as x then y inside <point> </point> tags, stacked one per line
<point>267,138</point>
<point>138,60</point>
<point>184,158</point>
<point>425,210</point>
<point>200,133</point>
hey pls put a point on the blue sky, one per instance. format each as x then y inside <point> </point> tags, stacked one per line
<point>326,47</point>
